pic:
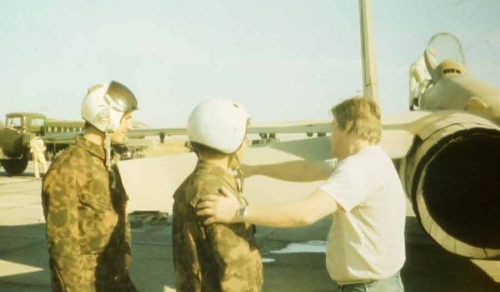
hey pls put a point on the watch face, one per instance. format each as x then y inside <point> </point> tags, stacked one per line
<point>242,212</point>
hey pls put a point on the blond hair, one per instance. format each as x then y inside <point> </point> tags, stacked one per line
<point>361,116</point>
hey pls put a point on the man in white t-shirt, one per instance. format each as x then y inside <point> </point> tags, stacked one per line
<point>362,191</point>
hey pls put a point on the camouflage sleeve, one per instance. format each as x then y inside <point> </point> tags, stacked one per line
<point>121,199</point>
<point>125,200</point>
<point>62,231</point>
<point>230,249</point>
<point>128,233</point>
<point>229,244</point>
<point>231,256</point>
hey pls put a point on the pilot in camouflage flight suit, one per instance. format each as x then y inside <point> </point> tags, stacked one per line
<point>218,257</point>
<point>84,203</point>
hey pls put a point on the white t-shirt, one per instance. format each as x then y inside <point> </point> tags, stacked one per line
<point>37,145</point>
<point>366,239</point>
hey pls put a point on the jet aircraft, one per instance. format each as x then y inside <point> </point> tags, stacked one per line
<point>446,150</point>
<point>59,134</point>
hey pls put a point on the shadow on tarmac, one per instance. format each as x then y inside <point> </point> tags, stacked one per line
<point>428,267</point>
<point>24,266</point>
<point>24,261</point>
<point>431,268</point>
<point>23,257</point>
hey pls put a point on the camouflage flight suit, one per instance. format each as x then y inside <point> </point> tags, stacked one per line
<point>217,257</point>
<point>87,230</point>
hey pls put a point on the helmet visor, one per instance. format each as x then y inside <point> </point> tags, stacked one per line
<point>122,97</point>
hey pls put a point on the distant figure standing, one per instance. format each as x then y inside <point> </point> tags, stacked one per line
<point>420,79</point>
<point>37,149</point>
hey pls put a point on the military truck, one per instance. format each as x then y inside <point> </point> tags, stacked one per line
<point>21,127</point>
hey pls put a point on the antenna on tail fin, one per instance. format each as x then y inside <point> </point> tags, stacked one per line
<point>370,80</point>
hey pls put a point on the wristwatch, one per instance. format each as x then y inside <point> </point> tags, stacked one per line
<point>241,213</point>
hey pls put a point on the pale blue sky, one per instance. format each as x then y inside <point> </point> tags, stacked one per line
<point>283,60</point>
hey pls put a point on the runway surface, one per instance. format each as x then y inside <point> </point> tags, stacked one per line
<point>293,258</point>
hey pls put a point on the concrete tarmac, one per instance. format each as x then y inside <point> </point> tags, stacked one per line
<point>293,257</point>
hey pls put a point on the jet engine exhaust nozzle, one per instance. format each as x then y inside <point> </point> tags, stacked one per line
<point>453,180</point>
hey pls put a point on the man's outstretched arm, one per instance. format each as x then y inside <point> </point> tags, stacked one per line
<point>223,209</point>
<point>295,171</point>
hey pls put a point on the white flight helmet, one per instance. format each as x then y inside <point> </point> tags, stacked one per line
<point>220,124</point>
<point>105,104</point>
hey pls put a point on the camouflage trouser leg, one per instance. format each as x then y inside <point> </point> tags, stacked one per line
<point>94,278</point>
<point>118,284</point>
<point>55,280</point>
<point>85,280</point>
<point>112,274</point>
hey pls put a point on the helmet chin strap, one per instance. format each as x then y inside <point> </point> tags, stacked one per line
<point>239,173</point>
<point>107,147</point>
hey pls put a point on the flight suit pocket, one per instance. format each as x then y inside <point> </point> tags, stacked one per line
<point>97,223</point>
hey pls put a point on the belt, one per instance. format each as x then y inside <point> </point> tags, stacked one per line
<point>358,282</point>
<point>343,284</point>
